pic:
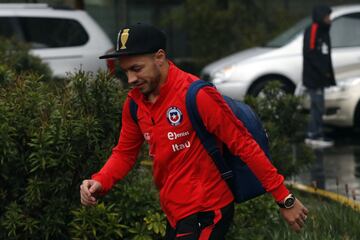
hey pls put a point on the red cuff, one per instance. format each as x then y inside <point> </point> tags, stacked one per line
<point>280,193</point>
<point>104,183</point>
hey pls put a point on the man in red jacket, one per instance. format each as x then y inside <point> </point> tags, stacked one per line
<point>196,200</point>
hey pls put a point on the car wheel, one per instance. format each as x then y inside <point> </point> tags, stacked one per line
<point>256,89</point>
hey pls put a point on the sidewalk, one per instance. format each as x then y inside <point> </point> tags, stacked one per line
<point>336,169</point>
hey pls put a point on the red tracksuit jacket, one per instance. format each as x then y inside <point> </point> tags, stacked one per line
<point>184,173</point>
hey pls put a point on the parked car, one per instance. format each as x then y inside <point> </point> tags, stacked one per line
<point>247,72</point>
<point>342,103</point>
<point>65,39</point>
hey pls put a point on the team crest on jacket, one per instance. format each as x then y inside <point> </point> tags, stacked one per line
<point>174,116</point>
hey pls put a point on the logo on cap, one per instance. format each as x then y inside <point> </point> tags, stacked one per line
<point>174,116</point>
<point>123,36</point>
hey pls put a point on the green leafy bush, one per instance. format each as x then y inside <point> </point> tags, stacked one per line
<point>260,219</point>
<point>51,137</point>
<point>48,143</point>
<point>15,57</point>
<point>137,208</point>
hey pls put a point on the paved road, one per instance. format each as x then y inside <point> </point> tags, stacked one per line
<point>337,169</point>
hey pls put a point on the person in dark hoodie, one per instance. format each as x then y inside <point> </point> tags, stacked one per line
<point>318,71</point>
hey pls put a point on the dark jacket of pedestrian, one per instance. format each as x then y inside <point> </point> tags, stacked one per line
<point>317,66</point>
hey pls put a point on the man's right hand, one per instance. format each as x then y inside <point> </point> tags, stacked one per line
<point>89,190</point>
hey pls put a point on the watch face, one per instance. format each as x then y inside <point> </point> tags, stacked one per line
<point>289,202</point>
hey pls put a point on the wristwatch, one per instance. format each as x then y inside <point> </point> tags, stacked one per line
<point>288,202</point>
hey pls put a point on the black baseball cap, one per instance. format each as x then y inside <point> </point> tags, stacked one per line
<point>138,39</point>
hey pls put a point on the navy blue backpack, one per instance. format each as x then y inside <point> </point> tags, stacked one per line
<point>241,180</point>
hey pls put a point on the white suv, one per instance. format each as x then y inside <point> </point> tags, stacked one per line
<point>64,39</point>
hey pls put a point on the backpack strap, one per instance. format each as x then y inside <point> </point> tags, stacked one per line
<point>207,139</point>
<point>133,110</point>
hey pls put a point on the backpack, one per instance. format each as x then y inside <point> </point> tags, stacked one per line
<point>241,180</point>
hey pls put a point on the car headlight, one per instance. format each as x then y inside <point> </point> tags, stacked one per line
<point>223,75</point>
<point>344,85</point>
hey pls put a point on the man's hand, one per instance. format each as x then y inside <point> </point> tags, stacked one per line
<point>295,216</point>
<point>89,190</point>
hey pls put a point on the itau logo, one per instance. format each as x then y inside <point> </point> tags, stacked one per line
<point>174,116</point>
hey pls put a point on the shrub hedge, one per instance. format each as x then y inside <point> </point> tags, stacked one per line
<point>48,143</point>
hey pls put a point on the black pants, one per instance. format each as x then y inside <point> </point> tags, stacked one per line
<point>212,225</point>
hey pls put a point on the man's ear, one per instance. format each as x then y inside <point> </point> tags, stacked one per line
<point>160,57</point>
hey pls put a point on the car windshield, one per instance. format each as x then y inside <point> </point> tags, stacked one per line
<point>289,34</point>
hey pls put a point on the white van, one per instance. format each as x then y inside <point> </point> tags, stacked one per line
<point>247,72</point>
<point>65,39</point>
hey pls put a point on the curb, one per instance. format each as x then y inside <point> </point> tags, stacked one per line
<point>330,195</point>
